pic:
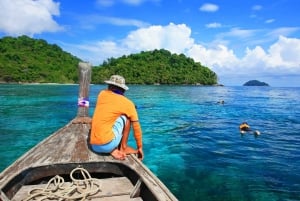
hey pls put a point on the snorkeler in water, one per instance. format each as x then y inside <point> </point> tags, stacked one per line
<point>244,127</point>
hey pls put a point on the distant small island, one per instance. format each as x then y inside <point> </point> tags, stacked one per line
<point>255,83</point>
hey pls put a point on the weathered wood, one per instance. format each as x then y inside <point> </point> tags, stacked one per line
<point>67,149</point>
<point>121,186</point>
<point>84,83</point>
<point>136,189</point>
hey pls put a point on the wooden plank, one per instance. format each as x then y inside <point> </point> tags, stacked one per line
<point>68,148</point>
<point>154,184</point>
<point>121,198</point>
<point>57,148</point>
<point>80,149</point>
<point>110,187</point>
<point>69,145</point>
<point>112,198</point>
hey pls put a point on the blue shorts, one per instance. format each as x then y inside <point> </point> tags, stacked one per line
<point>118,128</point>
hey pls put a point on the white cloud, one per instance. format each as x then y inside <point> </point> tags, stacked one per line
<point>133,2</point>
<point>28,17</point>
<point>285,52</point>
<point>175,38</point>
<point>269,21</point>
<point>126,22</point>
<point>107,3</point>
<point>97,52</point>
<point>220,58</point>
<point>256,7</point>
<point>209,7</point>
<point>237,32</point>
<point>280,58</point>
<point>138,2</point>
<point>213,25</point>
<point>91,21</point>
<point>284,31</point>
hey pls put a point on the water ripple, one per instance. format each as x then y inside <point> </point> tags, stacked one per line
<point>191,142</point>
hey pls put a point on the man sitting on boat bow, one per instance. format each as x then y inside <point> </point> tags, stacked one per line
<point>113,116</point>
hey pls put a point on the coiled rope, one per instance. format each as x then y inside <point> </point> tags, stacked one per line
<point>57,189</point>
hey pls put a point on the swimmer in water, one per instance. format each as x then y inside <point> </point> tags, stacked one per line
<point>244,127</point>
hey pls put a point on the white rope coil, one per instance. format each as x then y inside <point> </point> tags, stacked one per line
<point>57,189</point>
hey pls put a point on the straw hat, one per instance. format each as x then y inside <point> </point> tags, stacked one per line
<point>118,81</point>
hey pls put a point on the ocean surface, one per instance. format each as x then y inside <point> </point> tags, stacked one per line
<point>191,142</point>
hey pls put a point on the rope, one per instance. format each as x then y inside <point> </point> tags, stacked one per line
<point>57,189</point>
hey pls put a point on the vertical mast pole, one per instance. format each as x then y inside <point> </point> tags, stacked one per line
<point>84,70</point>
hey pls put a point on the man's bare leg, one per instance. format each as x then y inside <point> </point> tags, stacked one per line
<point>117,154</point>
<point>123,146</point>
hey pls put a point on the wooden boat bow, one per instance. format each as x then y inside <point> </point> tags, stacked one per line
<point>67,149</point>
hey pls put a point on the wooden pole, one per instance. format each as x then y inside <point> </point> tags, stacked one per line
<point>84,70</point>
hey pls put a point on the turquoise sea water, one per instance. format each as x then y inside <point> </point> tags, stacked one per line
<point>191,142</point>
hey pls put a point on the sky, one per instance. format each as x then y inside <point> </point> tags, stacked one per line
<point>239,40</point>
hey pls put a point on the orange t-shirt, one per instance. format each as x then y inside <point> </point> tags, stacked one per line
<point>109,107</point>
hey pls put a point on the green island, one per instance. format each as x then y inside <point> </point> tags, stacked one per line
<point>27,60</point>
<point>255,83</point>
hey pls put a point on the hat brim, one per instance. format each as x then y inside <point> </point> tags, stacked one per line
<point>123,86</point>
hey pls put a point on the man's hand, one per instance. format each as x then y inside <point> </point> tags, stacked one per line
<point>140,153</point>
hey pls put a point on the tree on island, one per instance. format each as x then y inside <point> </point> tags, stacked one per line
<point>255,83</point>
<point>156,67</point>
<point>27,60</point>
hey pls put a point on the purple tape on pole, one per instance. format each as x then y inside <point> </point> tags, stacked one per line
<point>83,102</point>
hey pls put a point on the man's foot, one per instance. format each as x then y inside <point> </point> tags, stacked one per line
<point>117,154</point>
<point>129,150</point>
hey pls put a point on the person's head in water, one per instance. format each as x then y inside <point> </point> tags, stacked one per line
<point>244,127</point>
